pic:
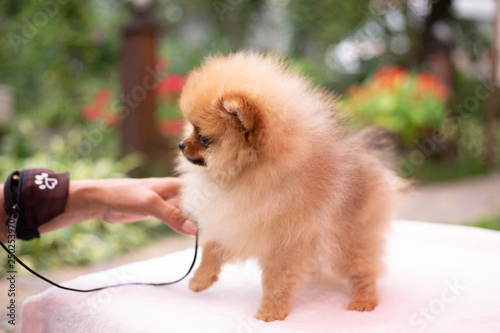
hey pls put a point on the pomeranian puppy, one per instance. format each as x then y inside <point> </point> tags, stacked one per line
<point>270,173</point>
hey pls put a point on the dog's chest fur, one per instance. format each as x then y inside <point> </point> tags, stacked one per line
<point>225,217</point>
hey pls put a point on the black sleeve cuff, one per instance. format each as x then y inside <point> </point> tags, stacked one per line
<point>40,196</point>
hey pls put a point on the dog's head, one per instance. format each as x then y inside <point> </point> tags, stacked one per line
<point>244,109</point>
<point>225,133</point>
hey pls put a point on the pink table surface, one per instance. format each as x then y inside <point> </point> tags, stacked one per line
<point>439,278</point>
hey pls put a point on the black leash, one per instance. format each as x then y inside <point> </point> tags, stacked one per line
<point>106,287</point>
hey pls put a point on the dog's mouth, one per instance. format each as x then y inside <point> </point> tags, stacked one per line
<point>197,161</point>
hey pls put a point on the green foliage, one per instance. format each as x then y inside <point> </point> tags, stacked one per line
<point>434,170</point>
<point>49,50</point>
<point>401,102</point>
<point>326,22</point>
<point>312,70</point>
<point>471,95</point>
<point>29,144</point>
<point>469,141</point>
<point>492,223</point>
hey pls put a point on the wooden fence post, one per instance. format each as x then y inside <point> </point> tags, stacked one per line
<point>138,56</point>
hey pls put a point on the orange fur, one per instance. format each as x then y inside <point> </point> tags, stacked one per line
<point>282,181</point>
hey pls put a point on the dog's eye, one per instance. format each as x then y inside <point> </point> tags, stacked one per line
<point>204,141</point>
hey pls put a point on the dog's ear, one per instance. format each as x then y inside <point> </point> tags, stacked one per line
<point>243,109</point>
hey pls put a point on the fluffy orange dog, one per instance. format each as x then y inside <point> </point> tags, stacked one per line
<point>271,174</point>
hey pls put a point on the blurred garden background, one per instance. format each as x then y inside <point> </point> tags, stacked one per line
<point>422,70</point>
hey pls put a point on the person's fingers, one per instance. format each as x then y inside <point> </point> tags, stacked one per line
<point>124,218</point>
<point>172,216</point>
<point>166,187</point>
<point>175,201</point>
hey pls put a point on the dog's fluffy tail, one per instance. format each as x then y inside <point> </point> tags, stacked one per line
<point>383,145</point>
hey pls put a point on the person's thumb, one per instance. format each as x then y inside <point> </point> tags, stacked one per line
<point>173,217</point>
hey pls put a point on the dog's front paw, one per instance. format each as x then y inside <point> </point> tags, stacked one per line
<point>362,305</point>
<point>271,314</point>
<point>197,283</point>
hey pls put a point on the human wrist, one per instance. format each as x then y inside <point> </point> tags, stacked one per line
<point>82,205</point>
<point>85,199</point>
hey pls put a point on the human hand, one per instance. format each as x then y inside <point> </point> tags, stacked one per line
<point>130,200</point>
<point>123,201</point>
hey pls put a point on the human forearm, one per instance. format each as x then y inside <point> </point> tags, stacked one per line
<point>122,201</point>
<point>82,205</point>
<point>119,201</point>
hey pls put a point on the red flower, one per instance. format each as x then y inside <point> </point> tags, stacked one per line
<point>389,77</point>
<point>99,110</point>
<point>429,84</point>
<point>171,127</point>
<point>90,113</point>
<point>171,84</point>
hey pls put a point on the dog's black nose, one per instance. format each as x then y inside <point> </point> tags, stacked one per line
<point>182,145</point>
